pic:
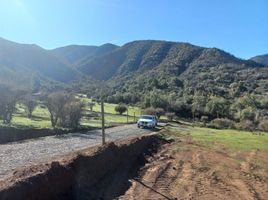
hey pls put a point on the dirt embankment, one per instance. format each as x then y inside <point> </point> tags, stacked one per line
<point>185,170</point>
<point>94,173</point>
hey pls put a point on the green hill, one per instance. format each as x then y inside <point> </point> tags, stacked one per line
<point>25,60</point>
<point>142,66</point>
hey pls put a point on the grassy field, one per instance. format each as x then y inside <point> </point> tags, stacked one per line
<point>41,118</point>
<point>222,139</point>
<point>109,108</point>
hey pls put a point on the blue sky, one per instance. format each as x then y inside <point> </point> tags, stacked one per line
<point>237,26</point>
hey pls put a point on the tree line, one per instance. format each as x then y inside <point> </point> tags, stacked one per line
<point>65,110</point>
<point>248,110</point>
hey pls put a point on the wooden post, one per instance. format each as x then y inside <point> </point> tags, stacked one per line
<point>127,115</point>
<point>134,117</point>
<point>102,122</point>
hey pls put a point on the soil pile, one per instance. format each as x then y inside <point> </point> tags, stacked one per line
<point>94,173</point>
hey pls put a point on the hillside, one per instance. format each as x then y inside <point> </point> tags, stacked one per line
<point>263,59</point>
<point>79,54</point>
<point>24,60</point>
<point>134,69</point>
<point>142,66</point>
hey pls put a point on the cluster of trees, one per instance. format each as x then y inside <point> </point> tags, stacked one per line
<point>65,110</point>
<point>252,108</point>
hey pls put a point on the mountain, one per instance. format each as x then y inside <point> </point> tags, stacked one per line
<point>79,54</point>
<point>137,67</point>
<point>72,53</point>
<point>263,59</point>
<point>24,60</point>
<point>146,65</point>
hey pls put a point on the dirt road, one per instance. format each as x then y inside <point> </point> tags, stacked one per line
<point>21,154</point>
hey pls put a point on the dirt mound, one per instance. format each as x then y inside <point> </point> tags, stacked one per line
<point>94,173</point>
<point>145,168</point>
<point>187,171</point>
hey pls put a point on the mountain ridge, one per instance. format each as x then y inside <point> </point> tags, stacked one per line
<point>262,59</point>
<point>158,64</point>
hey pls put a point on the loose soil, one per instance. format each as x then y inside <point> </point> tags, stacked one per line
<point>185,170</point>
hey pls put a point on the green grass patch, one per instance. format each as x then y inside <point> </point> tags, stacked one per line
<point>228,139</point>
<point>110,108</point>
<point>41,116</point>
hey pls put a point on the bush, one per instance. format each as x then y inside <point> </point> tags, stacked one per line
<point>246,125</point>
<point>170,116</point>
<point>263,125</point>
<point>149,111</point>
<point>248,114</point>
<point>120,109</point>
<point>159,112</point>
<point>204,119</point>
<point>91,105</point>
<point>221,123</point>
<point>154,111</point>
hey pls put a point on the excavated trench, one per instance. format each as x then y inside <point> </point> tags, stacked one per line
<point>93,173</point>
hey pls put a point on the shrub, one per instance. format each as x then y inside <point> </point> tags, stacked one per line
<point>91,105</point>
<point>263,125</point>
<point>170,116</point>
<point>221,123</point>
<point>159,112</point>
<point>154,111</point>
<point>149,111</point>
<point>246,125</point>
<point>204,119</point>
<point>248,114</point>
<point>120,109</point>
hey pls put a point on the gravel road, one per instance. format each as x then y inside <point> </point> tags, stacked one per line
<point>26,153</point>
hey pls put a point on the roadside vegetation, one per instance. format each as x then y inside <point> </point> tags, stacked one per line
<point>58,109</point>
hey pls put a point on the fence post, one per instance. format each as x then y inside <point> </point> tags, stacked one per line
<point>102,122</point>
<point>127,115</point>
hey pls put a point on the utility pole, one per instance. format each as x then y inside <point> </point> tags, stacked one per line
<point>102,122</point>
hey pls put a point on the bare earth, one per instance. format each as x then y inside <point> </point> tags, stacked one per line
<point>193,172</point>
<point>14,156</point>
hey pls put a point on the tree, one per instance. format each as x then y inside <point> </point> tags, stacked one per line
<point>237,107</point>
<point>217,106</point>
<point>157,100</point>
<point>181,108</point>
<point>30,104</point>
<point>245,105</point>
<point>120,109</point>
<point>204,119</point>
<point>149,111</point>
<point>91,105</point>
<point>55,103</point>
<point>248,114</point>
<point>199,104</point>
<point>159,112</point>
<point>264,102</point>
<point>170,115</point>
<point>73,113</point>
<point>8,100</point>
<point>154,111</point>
